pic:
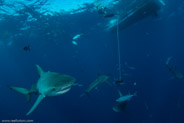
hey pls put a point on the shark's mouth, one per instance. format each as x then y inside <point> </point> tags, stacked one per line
<point>64,89</point>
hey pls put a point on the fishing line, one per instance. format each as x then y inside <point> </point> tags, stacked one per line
<point>119,54</point>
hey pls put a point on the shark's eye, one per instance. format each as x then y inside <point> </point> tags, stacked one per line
<point>53,89</point>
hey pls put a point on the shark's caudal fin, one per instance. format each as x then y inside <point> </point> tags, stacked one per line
<point>39,99</point>
<point>23,91</point>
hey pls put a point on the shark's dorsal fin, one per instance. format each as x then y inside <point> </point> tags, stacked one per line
<point>120,94</point>
<point>39,69</point>
<point>39,99</point>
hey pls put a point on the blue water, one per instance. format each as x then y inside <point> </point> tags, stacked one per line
<point>145,46</point>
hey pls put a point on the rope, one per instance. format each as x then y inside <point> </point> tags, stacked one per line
<point>119,54</point>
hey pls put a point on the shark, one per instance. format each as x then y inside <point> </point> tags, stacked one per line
<point>121,103</point>
<point>174,71</point>
<point>177,74</point>
<point>49,84</point>
<point>100,79</point>
<point>125,97</point>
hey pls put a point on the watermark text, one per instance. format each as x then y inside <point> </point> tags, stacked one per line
<point>17,121</point>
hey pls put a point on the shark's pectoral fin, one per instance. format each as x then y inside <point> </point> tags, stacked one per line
<point>39,99</point>
<point>23,91</point>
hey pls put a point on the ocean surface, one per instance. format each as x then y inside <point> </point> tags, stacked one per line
<point>73,38</point>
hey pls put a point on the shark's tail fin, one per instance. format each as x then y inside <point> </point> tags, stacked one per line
<point>23,91</point>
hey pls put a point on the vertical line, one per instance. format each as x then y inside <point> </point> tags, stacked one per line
<point>119,54</point>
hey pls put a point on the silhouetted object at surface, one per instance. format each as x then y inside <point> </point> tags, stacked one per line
<point>105,12</point>
<point>134,14</point>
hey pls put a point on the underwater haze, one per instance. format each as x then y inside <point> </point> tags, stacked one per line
<point>125,56</point>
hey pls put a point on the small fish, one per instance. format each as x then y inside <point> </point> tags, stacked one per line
<point>27,48</point>
<point>77,36</point>
<point>74,42</point>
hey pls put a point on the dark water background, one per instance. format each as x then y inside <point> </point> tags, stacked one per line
<point>145,45</point>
